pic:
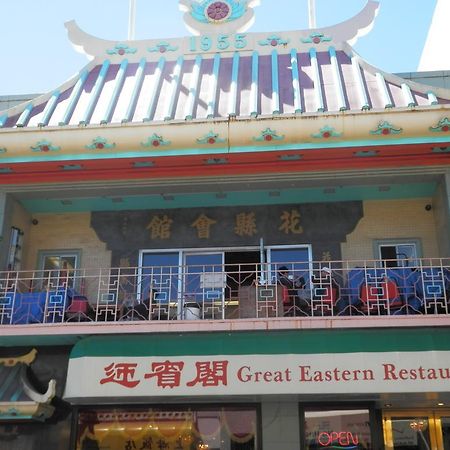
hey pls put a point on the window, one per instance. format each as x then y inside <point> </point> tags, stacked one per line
<point>213,428</point>
<point>346,429</point>
<point>398,253</point>
<point>58,268</point>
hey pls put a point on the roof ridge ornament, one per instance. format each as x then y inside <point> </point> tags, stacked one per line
<point>218,16</point>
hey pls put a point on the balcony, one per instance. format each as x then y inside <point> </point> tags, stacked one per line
<point>350,290</point>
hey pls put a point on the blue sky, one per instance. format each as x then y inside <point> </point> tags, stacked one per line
<point>37,56</point>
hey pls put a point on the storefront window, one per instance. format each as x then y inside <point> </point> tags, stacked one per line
<point>228,428</point>
<point>337,429</point>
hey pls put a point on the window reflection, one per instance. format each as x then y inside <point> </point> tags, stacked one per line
<point>229,428</point>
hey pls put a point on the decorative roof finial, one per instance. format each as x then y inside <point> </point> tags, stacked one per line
<point>218,16</point>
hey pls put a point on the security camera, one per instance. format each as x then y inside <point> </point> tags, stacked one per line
<point>428,207</point>
<point>35,221</point>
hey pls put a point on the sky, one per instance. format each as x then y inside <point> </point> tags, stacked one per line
<point>38,57</point>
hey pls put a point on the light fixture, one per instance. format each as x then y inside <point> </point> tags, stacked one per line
<point>388,405</point>
<point>441,404</point>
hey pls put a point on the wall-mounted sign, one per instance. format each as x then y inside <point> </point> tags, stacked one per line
<point>205,375</point>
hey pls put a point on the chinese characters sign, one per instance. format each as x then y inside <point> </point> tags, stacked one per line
<point>258,374</point>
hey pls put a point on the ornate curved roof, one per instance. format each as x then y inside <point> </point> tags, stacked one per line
<point>19,400</point>
<point>222,76</point>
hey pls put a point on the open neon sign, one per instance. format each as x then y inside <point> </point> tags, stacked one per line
<point>338,439</point>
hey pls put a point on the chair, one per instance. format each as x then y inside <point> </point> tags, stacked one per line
<point>380,297</point>
<point>325,298</point>
<point>79,309</point>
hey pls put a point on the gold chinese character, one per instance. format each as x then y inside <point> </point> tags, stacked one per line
<point>291,222</point>
<point>245,224</point>
<point>326,256</point>
<point>203,224</point>
<point>160,227</point>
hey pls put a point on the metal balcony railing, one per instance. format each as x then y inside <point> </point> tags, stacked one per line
<point>218,292</point>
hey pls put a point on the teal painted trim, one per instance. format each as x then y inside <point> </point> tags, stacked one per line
<point>193,88</point>
<point>254,87</point>
<point>212,151</point>
<point>137,88</point>
<point>49,109</point>
<point>296,82</point>
<point>13,374</point>
<point>96,90</point>
<point>174,86</point>
<point>3,120</point>
<point>24,116</point>
<point>296,342</point>
<point>337,79</point>
<point>363,99</point>
<point>275,84</point>
<point>212,94</point>
<point>432,98</point>
<point>155,89</point>
<point>74,97</point>
<point>407,95</point>
<point>120,78</point>
<point>317,84</point>
<point>388,103</point>
<point>232,100</point>
<point>238,198</point>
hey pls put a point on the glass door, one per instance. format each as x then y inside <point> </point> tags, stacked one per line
<point>417,430</point>
<point>204,285</point>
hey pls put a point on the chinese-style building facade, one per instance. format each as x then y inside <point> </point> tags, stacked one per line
<point>232,240</point>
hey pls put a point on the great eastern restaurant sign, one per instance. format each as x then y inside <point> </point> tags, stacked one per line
<point>200,375</point>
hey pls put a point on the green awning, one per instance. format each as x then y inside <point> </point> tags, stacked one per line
<point>270,342</point>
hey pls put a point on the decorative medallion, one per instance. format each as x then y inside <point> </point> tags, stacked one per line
<point>121,49</point>
<point>274,40</point>
<point>224,15</point>
<point>441,150</point>
<point>268,135</point>
<point>326,132</point>
<point>211,138</point>
<point>316,38</point>
<point>443,126</point>
<point>385,128</point>
<point>45,146</point>
<point>366,153</point>
<point>100,143</point>
<point>155,140</point>
<point>163,47</point>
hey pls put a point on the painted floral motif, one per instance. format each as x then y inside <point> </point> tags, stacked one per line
<point>274,40</point>
<point>121,49</point>
<point>100,143</point>
<point>211,138</point>
<point>441,150</point>
<point>155,140</point>
<point>326,132</point>
<point>442,126</point>
<point>218,11</point>
<point>45,146</point>
<point>163,47</point>
<point>268,135</point>
<point>3,150</point>
<point>211,11</point>
<point>366,153</point>
<point>385,128</point>
<point>316,38</point>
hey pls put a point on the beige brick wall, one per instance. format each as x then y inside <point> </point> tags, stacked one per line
<point>393,219</point>
<point>66,231</point>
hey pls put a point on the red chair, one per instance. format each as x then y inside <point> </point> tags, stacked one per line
<point>78,309</point>
<point>380,298</point>
<point>324,299</point>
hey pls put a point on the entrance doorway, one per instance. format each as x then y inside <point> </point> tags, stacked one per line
<point>417,430</point>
